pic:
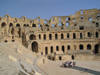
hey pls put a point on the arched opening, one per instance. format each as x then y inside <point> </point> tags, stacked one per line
<point>96,49</point>
<point>33,25</point>
<point>12,31</point>
<point>97,35</point>
<point>5,41</point>
<point>89,34</point>
<point>13,40</point>
<point>10,25</point>
<point>60,58</point>
<point>97,24</point>
<point>74,36</point>
<point>25,25</point>
<point>46,50</point>
<point>81,47</point>
<point>88,47</point>
<point>62,36</point>
<point>19,32</point>
<point>57,48</point>
<point>67,35</point>
<point>68,47</point>
<point>32,37</point>
<point>72,57</point>
<point>67,24</point>
<point>3,25</point>
<point>34,47</point>
<point>44,36</point>
<point>81,18</point>
<point>56,36</point>
<point>18,25</point>
<point>80,35</point>
<point>63,49</point>
<point>51,49</point>
<point>39,36</point>
<point>50,37</point>
<point>90,19</point>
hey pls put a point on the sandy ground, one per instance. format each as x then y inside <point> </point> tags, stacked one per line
<point>53,68</point>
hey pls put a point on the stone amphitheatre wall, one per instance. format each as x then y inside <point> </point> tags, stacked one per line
<point>60,33</point>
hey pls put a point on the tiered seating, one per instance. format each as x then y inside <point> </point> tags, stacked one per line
<point>21,57</point>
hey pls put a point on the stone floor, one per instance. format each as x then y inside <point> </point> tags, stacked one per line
<point>53,68</point>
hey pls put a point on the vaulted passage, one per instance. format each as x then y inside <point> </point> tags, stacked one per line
<point>32,37</point>
<point>96,48</point>
<point>34,47</point>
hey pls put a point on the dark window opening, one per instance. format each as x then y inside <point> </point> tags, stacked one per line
<point>97,24</point>
<point>5,41</point>
<point>46,50</point>
<point>50,37</point>
<point>12,31</point>
<point>81,28</point>
<point>44,36</point>
<point>72,57</point>
<point>81,35</point>
<point>68,47</point>
<point>18,25</point>
<point>74,36</point>
<point>96,48</point>
<point>97,35</point>
<point>33,25</point>
<point>89,34</point>
<point>32,37</point>
<point>56,36</point>
<point>57,48</point>
<point>81,47</point>
<point>3,24</point>
<point>34,47</point>
<point>88,47</point>
<point>13,40</point>
<point>51,49</point>
<point>62,36</point>
<point>10,25</point>
<point>63,49</point>
<point>60,58</point>
<point>67,35</point>
<point>39,36</point>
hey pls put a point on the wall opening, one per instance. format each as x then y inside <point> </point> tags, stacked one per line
<point>59,19</point>
<point>89,34</point>
<point>81,47</point>
<point>80,35</point>
<point>97,24</point>
<point>57,48</point>
<point>44,36</point>
<point>72,57</point>
<point>67,35</point>
<point>51,49</point>
<point>97,35</point>
<point>96,49</point>
<point>88,47</point>
<point>32,37</point>
<point>5,41</point>
<point>18,25</point>
<point>12,31</point>
<point>46,50</point>
<point>63,49</point>
<point>74,36</point>
<point>81,28</point>
<point>39,36</point>
<point>90,19</point>
<point>33,25</point>
<point>34,47</point>
<point>68,47</point>
<point>67,24</point>
<point>60,58</point>
<point>13,40</point>
<point>50,37</point>
<point>10,25</point>
<point>56,36</point>
<point>62,36</point>
<point>81,18</point>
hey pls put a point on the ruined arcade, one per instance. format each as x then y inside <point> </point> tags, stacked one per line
<point>79,33</point>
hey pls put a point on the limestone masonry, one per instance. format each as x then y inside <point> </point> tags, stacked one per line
<point>58,35</point>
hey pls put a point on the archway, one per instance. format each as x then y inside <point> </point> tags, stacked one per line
<point>72,57</point>
<point>96,48</point>
<point>81,47</point>
<point>63,49</point>
<point>32,37</point>
<point>46,50</point>
<point>89,47</point>
<point>34,47</point>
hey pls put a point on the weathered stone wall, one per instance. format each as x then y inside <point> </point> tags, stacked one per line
<point>60,33</point>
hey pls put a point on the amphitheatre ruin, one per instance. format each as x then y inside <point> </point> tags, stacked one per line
<point>38,46</point>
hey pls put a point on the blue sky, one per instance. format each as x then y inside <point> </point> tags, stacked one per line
<point>44,8</point>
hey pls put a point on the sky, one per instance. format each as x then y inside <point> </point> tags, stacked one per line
<point>31,9</point>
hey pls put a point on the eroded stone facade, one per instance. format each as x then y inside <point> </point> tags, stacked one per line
<point>60,33</point>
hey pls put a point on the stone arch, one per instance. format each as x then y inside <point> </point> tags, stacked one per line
<point>44,36</point>
<point>17,25</point>
<point>6,41</point>
<point>32,37</point>
<point>3,24</point>
<point>88,47</point>
<point>34,47</point>
<point>33,25</point>
<point>96,49</point>
<point>39,36</point>
<point>50,37</point>
<point>97,35</point>
<point>74,36</point>
<point>72,57</point>
<point>62,36</point>
<point>81,47</point>
<point>11,24</point>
